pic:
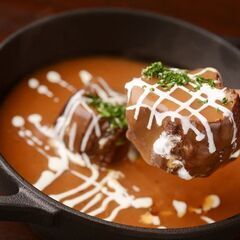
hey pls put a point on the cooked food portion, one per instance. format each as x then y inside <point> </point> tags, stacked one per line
<point>93,121</point>
<point>71,135</point>
<point>182,121</point>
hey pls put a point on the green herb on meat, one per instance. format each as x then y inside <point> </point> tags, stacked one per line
<point>114,113</point>
<point>224,100</point>
<point>168,77</point>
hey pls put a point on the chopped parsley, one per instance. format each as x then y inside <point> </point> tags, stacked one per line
<point>224,100</point>
<point>167,77</point>
<point>152,89</point>
<point>115,114</point>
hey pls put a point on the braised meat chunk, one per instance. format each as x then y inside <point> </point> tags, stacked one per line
<point>185,122</point>
<point>93,122</point>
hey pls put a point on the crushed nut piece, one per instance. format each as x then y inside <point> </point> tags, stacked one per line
<point>148,219</point>
<point>210,202</point>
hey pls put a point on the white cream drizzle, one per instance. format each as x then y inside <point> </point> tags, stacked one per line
<point>135,188</point>
<point>102,89</point>
<point>132,154</point>
<point>18,121</point>
<point>148,219</point>
<point>34,84</point>
<point>165,144</point>
<point>235,154</point>
<point>207,219</point>
<point>210,202</point>
<point>64,120</point>
<point>162,227</point>
<point>56,78</point>
<point>182,172</point>
<point>195,210</point>
<point>45,177</point>
<point>59,164</point>
<point>85,76</point>
<point>98,192</point>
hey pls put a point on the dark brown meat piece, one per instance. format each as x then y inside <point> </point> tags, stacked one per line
<point>189,133</point>
<point>84,130</point>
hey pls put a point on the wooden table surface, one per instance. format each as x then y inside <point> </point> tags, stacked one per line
<point>219,16</point>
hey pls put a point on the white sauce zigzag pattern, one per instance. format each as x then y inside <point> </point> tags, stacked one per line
<point>41,89</point>
<point>213,94</point>
<point>98,193</point>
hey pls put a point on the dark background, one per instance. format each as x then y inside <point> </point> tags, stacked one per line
<point>219,16</point>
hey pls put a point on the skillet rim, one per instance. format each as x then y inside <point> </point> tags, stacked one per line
<point>169,232</point>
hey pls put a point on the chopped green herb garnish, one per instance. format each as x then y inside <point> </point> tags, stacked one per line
<point>168,77</point>
<point>152,89</point>
<point>201,80</point>
<point>153,70</point>
<point>224,100</point>
<point>115,114</point>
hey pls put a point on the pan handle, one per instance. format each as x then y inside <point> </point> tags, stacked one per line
<point>19,201</point>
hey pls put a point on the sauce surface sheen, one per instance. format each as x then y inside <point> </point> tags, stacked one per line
<point>175,202</point>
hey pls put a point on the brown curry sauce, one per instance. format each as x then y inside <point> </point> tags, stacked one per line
<point>163,188</point>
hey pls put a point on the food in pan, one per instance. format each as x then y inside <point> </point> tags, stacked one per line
<point>66,125</point>
<point>93,121</point>
<point>185,122</point>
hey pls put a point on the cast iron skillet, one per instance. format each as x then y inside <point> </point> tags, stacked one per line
<point>104,31</point>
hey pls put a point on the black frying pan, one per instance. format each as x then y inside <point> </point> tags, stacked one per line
<point>105,31</point>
